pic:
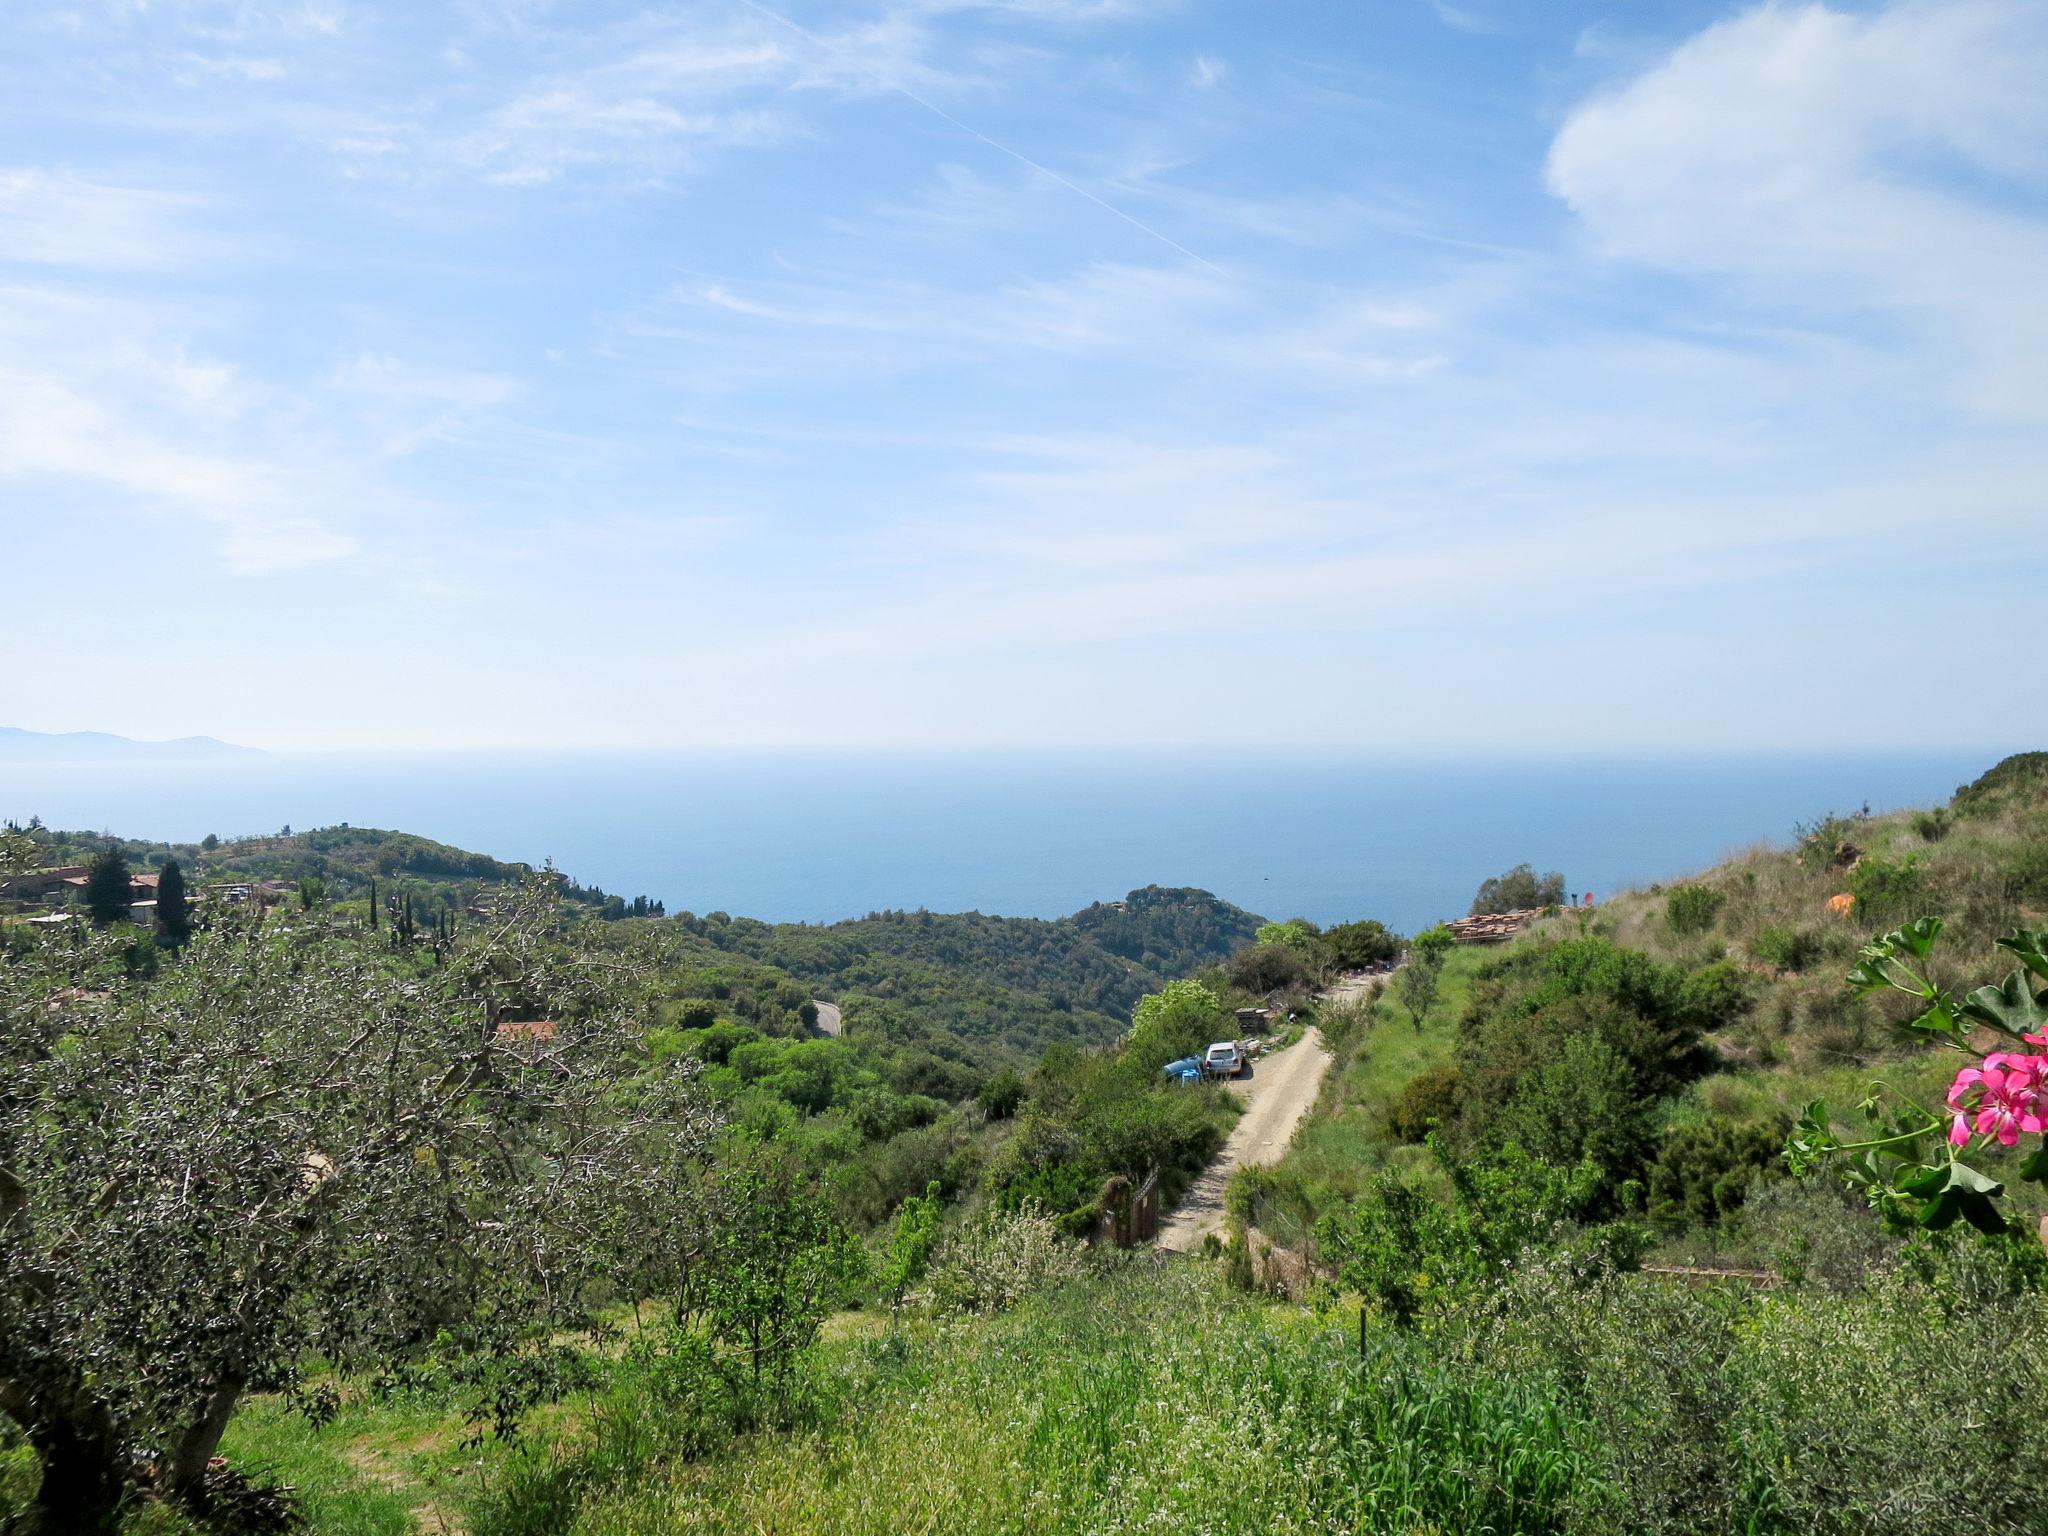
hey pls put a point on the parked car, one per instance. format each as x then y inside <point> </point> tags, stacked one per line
<point>1187,1070</point>
<point>1224,1059</point>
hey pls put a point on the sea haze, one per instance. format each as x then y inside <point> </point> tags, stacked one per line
<point>815,838</point>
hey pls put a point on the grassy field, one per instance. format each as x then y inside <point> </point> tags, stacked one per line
<point>1148,1397</point>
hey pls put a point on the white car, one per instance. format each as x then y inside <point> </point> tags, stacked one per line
<point>1223,1059</point>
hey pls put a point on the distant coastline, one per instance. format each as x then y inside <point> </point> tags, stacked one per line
<point>24,746</point>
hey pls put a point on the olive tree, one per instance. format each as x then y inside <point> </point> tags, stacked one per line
<point>290,1147</point>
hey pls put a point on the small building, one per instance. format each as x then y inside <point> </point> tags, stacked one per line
<point>43,884</point>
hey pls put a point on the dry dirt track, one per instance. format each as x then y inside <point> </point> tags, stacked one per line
<point>1282,1089</point>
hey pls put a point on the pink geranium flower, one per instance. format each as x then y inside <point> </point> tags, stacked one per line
<point>2002,1098</point>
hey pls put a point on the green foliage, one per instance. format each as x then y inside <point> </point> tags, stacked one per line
<point>215,1179</point>
<point>1433,943</point>
<point>1417,983</point>
<point>173,906</point>
<point>19,849</point>
<point>1703,1172</point>
<point>1265,968</point>
<point>1406,1251</point>
<point>1001,1257</point>
<point>916,1234</point>
<point>1789,949</point>
<point>1354,946</point>
<point>1002,1094</point>
<point>107,886</point>
<point>1297,934</point>
<point>1932,826</point>
<point>1518,890</point>
<point>1715,996</point>
<point>773,1268</point>
<point>1886,888</point>
<point>2019,780</point>
<point>1692,908</point>
<point>1178,1020</point>
<point>1427,1100</point>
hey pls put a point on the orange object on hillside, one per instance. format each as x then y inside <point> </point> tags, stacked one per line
<point>1842,905</point>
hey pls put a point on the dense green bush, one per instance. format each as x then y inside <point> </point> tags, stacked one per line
<point>1267,968</point>
<point>1886,888</point>
<point>1425,1100</point>
<point>1789,949</point>
<point>1703,1172</point>
<point>1692,908</point>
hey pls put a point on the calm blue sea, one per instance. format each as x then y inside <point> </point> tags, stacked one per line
<point>814,838</point>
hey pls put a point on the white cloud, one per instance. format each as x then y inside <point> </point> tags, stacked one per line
<point>1206,71</point>
<point>1884,168</point>
<point>52,218</point>
<point>1459,19</point>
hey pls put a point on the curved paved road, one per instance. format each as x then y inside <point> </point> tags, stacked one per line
<point>828,1017</point>
<point>1282,1089</point>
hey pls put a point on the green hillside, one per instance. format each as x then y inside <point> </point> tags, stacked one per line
<point>1539,1261</point>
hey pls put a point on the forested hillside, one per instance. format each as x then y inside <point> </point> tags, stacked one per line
<point>1708,1209</point>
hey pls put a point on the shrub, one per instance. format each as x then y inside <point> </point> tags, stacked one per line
<point>1000,1258</point>
<point>1692,908</point>
<point>1885,888</point>
<point>1789,949</point>
<point>1425,1100</point>
<point>1714,996</point>
<point>1703,1172</point>
<point>1353,946</point>
<point>1001,1095</point>
<point>1816,1232</point>
<point>1268,968</point>
<point>1934,825</point>
<point>1176,1021</point>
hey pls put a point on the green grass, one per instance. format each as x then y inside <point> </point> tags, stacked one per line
<point>375,1471</point>
<point>1148,1399</point>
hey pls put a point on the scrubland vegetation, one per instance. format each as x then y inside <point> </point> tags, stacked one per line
<point>1581,1236</point>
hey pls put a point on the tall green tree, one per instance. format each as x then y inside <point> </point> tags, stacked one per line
<point>173,906</point>
<point>107,887</point>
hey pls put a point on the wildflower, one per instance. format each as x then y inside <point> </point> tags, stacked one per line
<point>2002,1098</point>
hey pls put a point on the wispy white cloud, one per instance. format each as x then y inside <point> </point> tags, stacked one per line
<point>54,218</point>
<point>1809,154</point>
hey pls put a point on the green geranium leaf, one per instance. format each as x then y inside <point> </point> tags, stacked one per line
<point>2031,946</point>
<point>2035,1169</point>
<point>1939,1018</point>
<point>1962,1176</point>
<point>2010,1006</point>
<point>1868,976</point>
<point>1917,936</point>
<point>1926,1182</point>
<point>1982,1214</point>
<point>1941,1212</point>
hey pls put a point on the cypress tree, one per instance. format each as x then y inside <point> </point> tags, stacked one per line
<point>173,908</point>
<point>373,906</point>
<point>107,895</point>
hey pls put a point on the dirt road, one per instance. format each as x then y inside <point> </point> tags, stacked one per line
<point>1282,1089</point>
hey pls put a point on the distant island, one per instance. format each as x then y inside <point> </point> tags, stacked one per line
<point>20,746</point>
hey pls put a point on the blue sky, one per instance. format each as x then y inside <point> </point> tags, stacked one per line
<point>1384,375</point>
